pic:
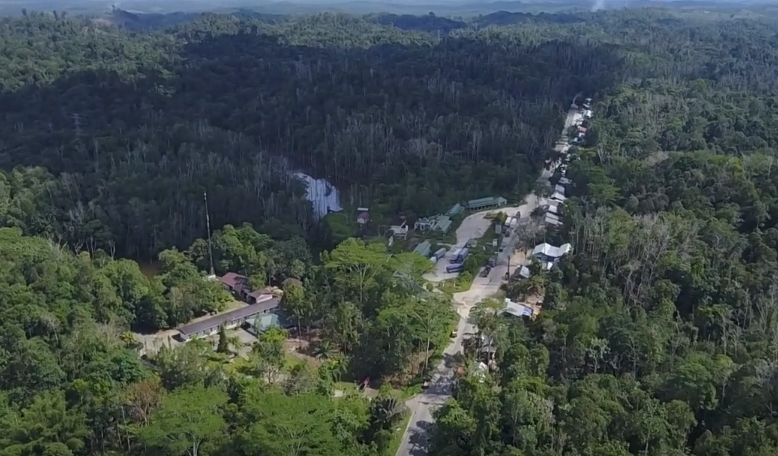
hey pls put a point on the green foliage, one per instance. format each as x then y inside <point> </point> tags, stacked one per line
<point>657,334</point>
<point>186,421</point>
<point>223,344</point>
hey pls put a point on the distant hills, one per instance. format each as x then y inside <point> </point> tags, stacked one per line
<point>158,13</point>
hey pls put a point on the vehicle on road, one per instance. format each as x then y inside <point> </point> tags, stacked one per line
<point>460,255</point>
<point>455,268</point>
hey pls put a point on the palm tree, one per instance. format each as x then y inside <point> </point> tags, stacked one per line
<point>325,350</point>
<point>386,412</point>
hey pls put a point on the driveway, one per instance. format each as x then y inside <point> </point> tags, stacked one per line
<point>474,226</point>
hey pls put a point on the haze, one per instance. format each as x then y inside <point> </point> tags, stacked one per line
<point>440,7</point>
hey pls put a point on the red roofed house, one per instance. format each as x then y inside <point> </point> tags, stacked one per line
<point>237,284</point>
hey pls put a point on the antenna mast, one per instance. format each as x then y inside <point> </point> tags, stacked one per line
<point>208,226</point>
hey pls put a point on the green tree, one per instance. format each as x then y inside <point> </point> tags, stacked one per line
<point>224,343</point>
<point>186,420</point>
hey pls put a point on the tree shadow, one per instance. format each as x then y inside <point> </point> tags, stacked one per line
<point>136,150</point>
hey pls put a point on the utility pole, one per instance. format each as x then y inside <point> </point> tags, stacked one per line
<point>208,226</point>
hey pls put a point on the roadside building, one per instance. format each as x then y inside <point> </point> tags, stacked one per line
<point>229,320</point>
<point>553,219</point>
<point>439,223</point>
<point>423,249</point>
<point>558,197</point>
<point>548,253</point>
<point>442,224</point>
<point>489,202</point>
<point>517,309</point>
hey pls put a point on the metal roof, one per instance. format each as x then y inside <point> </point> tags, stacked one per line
<point>423,249</point>
<point>517,309</point>
<point>455,209</point>
<point>218,320</point>
<point>552,251</point>
<point>443,223</point>
<point>482,201</point>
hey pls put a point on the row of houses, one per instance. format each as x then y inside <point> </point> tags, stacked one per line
<point>581,121</point>
<point>549,255</point>
<point>557,199</point>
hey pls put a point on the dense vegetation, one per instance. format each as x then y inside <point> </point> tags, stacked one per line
<point>656,335</point>
<point>135,127</point>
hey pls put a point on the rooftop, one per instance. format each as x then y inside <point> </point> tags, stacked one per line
<point>552,251</point>
<point>552,219</point>
<point>517,309</point>
<point>455,210</point>
<point>218,320</point>
<point>558,197</point>
<point>423,249</point>
<point>487,201</point>
<point>234,280</point>
<point>443,223</point>
<point>264,322</point>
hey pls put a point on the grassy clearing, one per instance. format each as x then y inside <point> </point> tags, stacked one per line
<point>291,361</point>
<point>460,283</point>
<point>397,438</point>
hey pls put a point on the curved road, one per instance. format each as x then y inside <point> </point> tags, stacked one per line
<point>415,440</point>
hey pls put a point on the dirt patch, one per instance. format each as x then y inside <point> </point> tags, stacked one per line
<point>300,349</point>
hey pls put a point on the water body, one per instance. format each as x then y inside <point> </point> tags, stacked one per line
<point>322,194</point>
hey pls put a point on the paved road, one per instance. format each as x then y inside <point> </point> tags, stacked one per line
<point>474,227</point>
<point>416,441</point>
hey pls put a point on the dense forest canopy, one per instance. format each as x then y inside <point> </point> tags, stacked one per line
<point>656,336</point>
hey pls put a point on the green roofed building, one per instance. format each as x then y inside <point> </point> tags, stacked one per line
<point>486,203</point>
<point>264,322</point>
<point>455,210</point>
<point>442,224</point>
<point>423,249</point>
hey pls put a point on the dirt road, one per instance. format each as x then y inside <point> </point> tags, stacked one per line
<point>416,441</point>
<point>474,226</point>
